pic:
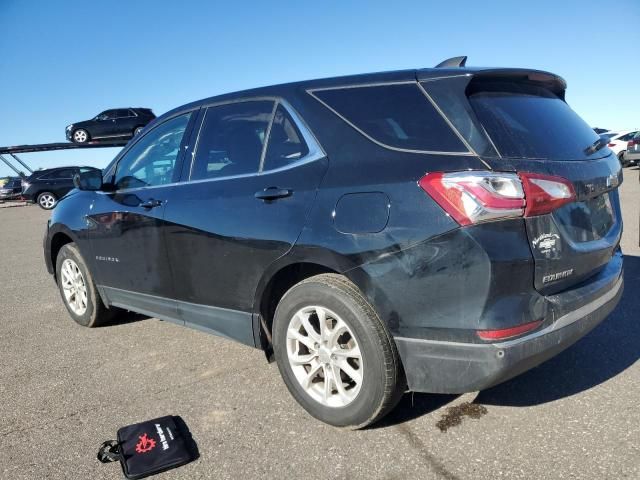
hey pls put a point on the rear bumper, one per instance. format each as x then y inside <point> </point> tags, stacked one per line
<point>453,367</point>
<point>631,156</point>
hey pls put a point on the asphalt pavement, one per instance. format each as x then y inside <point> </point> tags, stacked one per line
<point>64,389</point>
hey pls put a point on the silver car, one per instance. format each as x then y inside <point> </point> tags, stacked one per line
<point>633,150</point>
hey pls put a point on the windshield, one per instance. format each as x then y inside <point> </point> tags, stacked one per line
<point>528,121</point>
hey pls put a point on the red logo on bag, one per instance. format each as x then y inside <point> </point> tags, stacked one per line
<point>145,444</point>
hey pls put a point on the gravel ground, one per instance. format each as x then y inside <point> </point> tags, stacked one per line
<point>64,389</point>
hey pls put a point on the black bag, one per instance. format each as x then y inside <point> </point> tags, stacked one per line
<point>150,447</point>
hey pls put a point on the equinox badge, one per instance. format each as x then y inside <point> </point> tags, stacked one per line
<point>557,276</point>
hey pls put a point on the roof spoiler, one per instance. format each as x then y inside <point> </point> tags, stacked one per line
<point>453,62</point>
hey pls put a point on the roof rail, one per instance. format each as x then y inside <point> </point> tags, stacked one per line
<point>453,62</point>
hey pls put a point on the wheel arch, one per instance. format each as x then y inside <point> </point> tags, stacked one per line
<point>58,237</point>
<point>300,264</point>
<point>272,288</point>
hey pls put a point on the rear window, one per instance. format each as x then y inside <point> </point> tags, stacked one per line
<point>528,121</point>
<point>397,115</point>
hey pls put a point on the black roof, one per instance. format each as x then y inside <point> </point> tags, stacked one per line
<point>556,82</point>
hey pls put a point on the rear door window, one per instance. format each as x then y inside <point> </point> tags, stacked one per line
<point>123,113</point>
<point>528,121</point>
<point>286,144</point>
<point>231,139</point>
<point>395,115</point>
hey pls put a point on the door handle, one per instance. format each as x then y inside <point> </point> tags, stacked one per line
<point>151,203</point>
<point>273,193</point>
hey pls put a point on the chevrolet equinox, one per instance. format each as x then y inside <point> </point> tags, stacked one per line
<point>437,230</point>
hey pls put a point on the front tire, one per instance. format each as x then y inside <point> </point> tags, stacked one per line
<point>80,136</point>
<point>78,290</point>
<point>334,353</point>
<point>47,200</point>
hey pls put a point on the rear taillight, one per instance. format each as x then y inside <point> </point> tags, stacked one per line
<point>474,197</point>
<point>631,143</point>
<point>545,193</point>
<point>611,145</point>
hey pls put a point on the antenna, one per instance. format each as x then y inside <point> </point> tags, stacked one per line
<point>453,62</point>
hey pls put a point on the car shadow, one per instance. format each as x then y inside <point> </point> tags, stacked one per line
<point>414,405</point>
<point>608,350</point>
<point>124,317</point>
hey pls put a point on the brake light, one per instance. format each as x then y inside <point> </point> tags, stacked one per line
<point>631,143</point>
<point>545,193</point>
<point>474,197</point>
<point>611,145</point>
<point>508,332</point>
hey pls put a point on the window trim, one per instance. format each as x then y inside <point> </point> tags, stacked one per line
<point>316,151</point>
<point>469,152</point>
<point>179,160</point>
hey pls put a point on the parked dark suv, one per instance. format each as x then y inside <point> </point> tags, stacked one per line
<point>110,124</point>
<point>10,188</point>
<point>437,230</point>
<point>45,187</point>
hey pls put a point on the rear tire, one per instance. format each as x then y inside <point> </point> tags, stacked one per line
<point>348,376</point>
<point>47,200</point>
<point>78,290</point>
<point>623,162</point>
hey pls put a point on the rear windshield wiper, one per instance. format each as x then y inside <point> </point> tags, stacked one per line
<point>595,146</point>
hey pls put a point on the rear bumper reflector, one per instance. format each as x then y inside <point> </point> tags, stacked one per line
<point>508,332</point>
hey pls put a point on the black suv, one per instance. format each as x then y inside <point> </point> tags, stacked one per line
<point>110,124</point>
<point>45,187</point>
<point>437,230</point>
<point>10,188</point>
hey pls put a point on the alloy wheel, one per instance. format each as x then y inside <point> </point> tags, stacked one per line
<point>47,201</point>
<point>80,136</point>
<point>324,356</point>
<point>74,287</point>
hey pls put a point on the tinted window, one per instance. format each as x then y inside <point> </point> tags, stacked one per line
<point>58,174</point>
<point>107,115</point>
<point>231,139</point>
<point>526,121</point>
<point>286,144</point>
<point>627,137</point>
<point>151,161</point>
<point>123,113</point>
<point>399,116</point>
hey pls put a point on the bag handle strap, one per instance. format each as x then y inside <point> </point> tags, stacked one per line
<point>109,452</point>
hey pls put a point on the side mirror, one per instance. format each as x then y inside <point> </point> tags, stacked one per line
<point>90,180</point>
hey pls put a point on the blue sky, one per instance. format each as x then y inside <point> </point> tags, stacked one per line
<point>65,61</point>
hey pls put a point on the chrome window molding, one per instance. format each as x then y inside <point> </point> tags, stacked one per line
<point>134,140</point>
<point>267,137</point>
<point>444,77</point>
<point>316,151</point>
<point>444,117</point>
<point>312,91</point>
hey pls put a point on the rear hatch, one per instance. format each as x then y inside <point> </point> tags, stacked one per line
<point>518,121</point>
